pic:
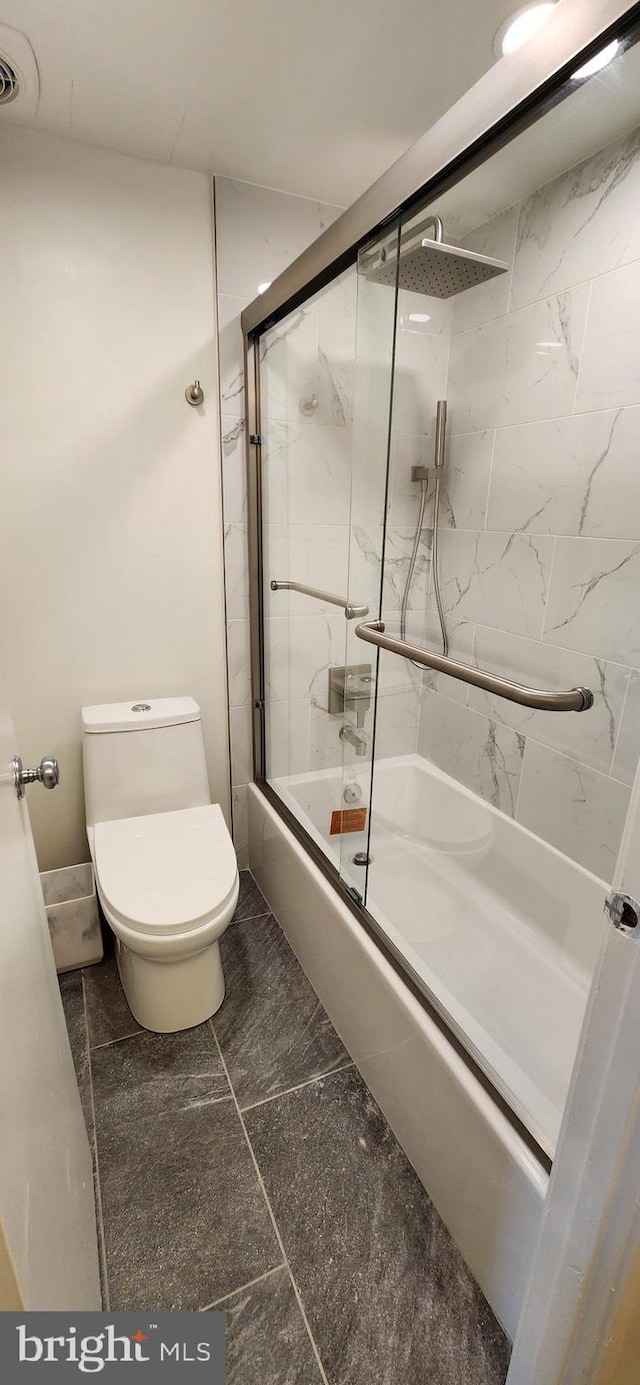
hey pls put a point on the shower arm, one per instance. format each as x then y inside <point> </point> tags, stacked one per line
<point>574,700</point>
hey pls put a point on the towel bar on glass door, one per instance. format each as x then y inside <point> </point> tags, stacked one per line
<point>351,612</point>
<point>574,700</point>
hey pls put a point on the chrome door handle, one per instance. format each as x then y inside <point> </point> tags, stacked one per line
<point>46,774</point>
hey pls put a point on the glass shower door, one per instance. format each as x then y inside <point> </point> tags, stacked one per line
<point>372,395</point>
<point>325,379</point>
<point>495,819</point>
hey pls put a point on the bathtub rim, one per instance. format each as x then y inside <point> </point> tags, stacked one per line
<point>403,970</point>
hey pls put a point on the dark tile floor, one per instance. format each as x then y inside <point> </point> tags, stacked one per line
<point>244,1164</point>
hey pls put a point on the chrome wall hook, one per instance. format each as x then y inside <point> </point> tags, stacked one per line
<point>194,394</point>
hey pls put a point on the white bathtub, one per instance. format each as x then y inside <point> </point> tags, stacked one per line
<point>505,930</point>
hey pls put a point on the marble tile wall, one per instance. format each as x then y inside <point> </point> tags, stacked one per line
<point>540,549</point>
<point>308,378</point>
<point>258,233</point>
<point>540,544</point>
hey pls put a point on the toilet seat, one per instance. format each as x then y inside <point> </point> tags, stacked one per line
<point>166,873</point>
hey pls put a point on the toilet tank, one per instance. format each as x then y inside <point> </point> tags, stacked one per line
<point>143,757</point>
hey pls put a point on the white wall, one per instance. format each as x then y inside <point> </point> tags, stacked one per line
<point>111,575</point>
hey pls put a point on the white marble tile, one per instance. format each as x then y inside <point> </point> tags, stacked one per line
<point>576,809</point>
<point>329,560</point>
<point>231,354</point>
<point>610,369</point>
<point>70,882</point>
<point>238,662</point>
<point>625,760</point>
<point>234,470</point>
<point>397,555</point>
<point>286,558</point>
<point>420,379</point>
<point>287,737</point>
<point>340,296</point>
<point>430,317</point>
<point>334,388</point>
<point>481,754</point>
<point>396,675</point>
<point>499,580</point>
<point>236,570</point>
<point>240,721</point>
<point>397,719</point>
<point>464,484</point>
<point>289,366</point>
<point>465,481</point>
<point>407,450</point>
<point>397,706</point>
<point>240,817</point>
<point>369,451</point>
<point>579,226</point>
<point>593,601</point>
<point>259,232</point>
<point>588,736</point>
<point>75,932</point>
<point>326,750</point>
<point>461,645</point>
<point>307,473</point>
<point>298,654</point>
<point>496,238</point>
<point>518,368</point>
<point>576,475</point>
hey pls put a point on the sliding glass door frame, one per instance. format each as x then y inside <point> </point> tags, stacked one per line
<point>512,96</point>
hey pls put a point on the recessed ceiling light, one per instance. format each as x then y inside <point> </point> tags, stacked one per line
<point>596,64</point>
<point>520,27</point>
<point>419,317</point>
<point>262,288</point>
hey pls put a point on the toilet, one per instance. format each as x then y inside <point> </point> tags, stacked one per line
<point>165,867</point>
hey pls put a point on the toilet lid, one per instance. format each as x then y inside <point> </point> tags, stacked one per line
<point>168,871</point>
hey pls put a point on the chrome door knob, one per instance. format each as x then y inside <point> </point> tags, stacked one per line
<point>46,774</point>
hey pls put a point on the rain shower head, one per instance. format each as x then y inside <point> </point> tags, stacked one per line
<point>429,266</point>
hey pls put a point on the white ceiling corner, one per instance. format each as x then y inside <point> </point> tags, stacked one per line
<point>315,97</point>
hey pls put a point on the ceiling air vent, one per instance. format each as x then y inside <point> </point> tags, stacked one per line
<point>9,84</point>
<point>19,85</point>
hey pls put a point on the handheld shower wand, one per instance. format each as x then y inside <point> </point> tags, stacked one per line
<point>421,474</point>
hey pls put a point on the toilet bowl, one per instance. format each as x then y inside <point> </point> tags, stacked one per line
<point>165,866</point>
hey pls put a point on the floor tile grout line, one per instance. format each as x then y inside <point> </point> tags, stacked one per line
<point>271,1213</point>
<point>108,1043</point>
<point>102,1249</point>
<point>243,1287</point>
<point>259,914</point>
<point>319,1077</point>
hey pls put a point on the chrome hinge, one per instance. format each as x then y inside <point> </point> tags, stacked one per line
<point>624,913</point>
<point>255,439</point>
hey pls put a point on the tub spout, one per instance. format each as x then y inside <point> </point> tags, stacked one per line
<point>355,737</point>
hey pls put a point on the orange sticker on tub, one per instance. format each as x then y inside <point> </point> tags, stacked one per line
<point>348,820</point>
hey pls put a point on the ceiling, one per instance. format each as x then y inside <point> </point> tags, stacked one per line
<point>315,97</point>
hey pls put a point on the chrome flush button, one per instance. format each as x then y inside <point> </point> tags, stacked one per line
<point>141,707</point>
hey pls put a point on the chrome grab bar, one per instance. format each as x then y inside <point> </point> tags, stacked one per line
<point>351,612</point>
<point>575,700</point>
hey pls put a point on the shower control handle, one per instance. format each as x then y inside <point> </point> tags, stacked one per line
<point>47,774</point>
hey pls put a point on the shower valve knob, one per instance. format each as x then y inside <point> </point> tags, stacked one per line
<point>47,774</point>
